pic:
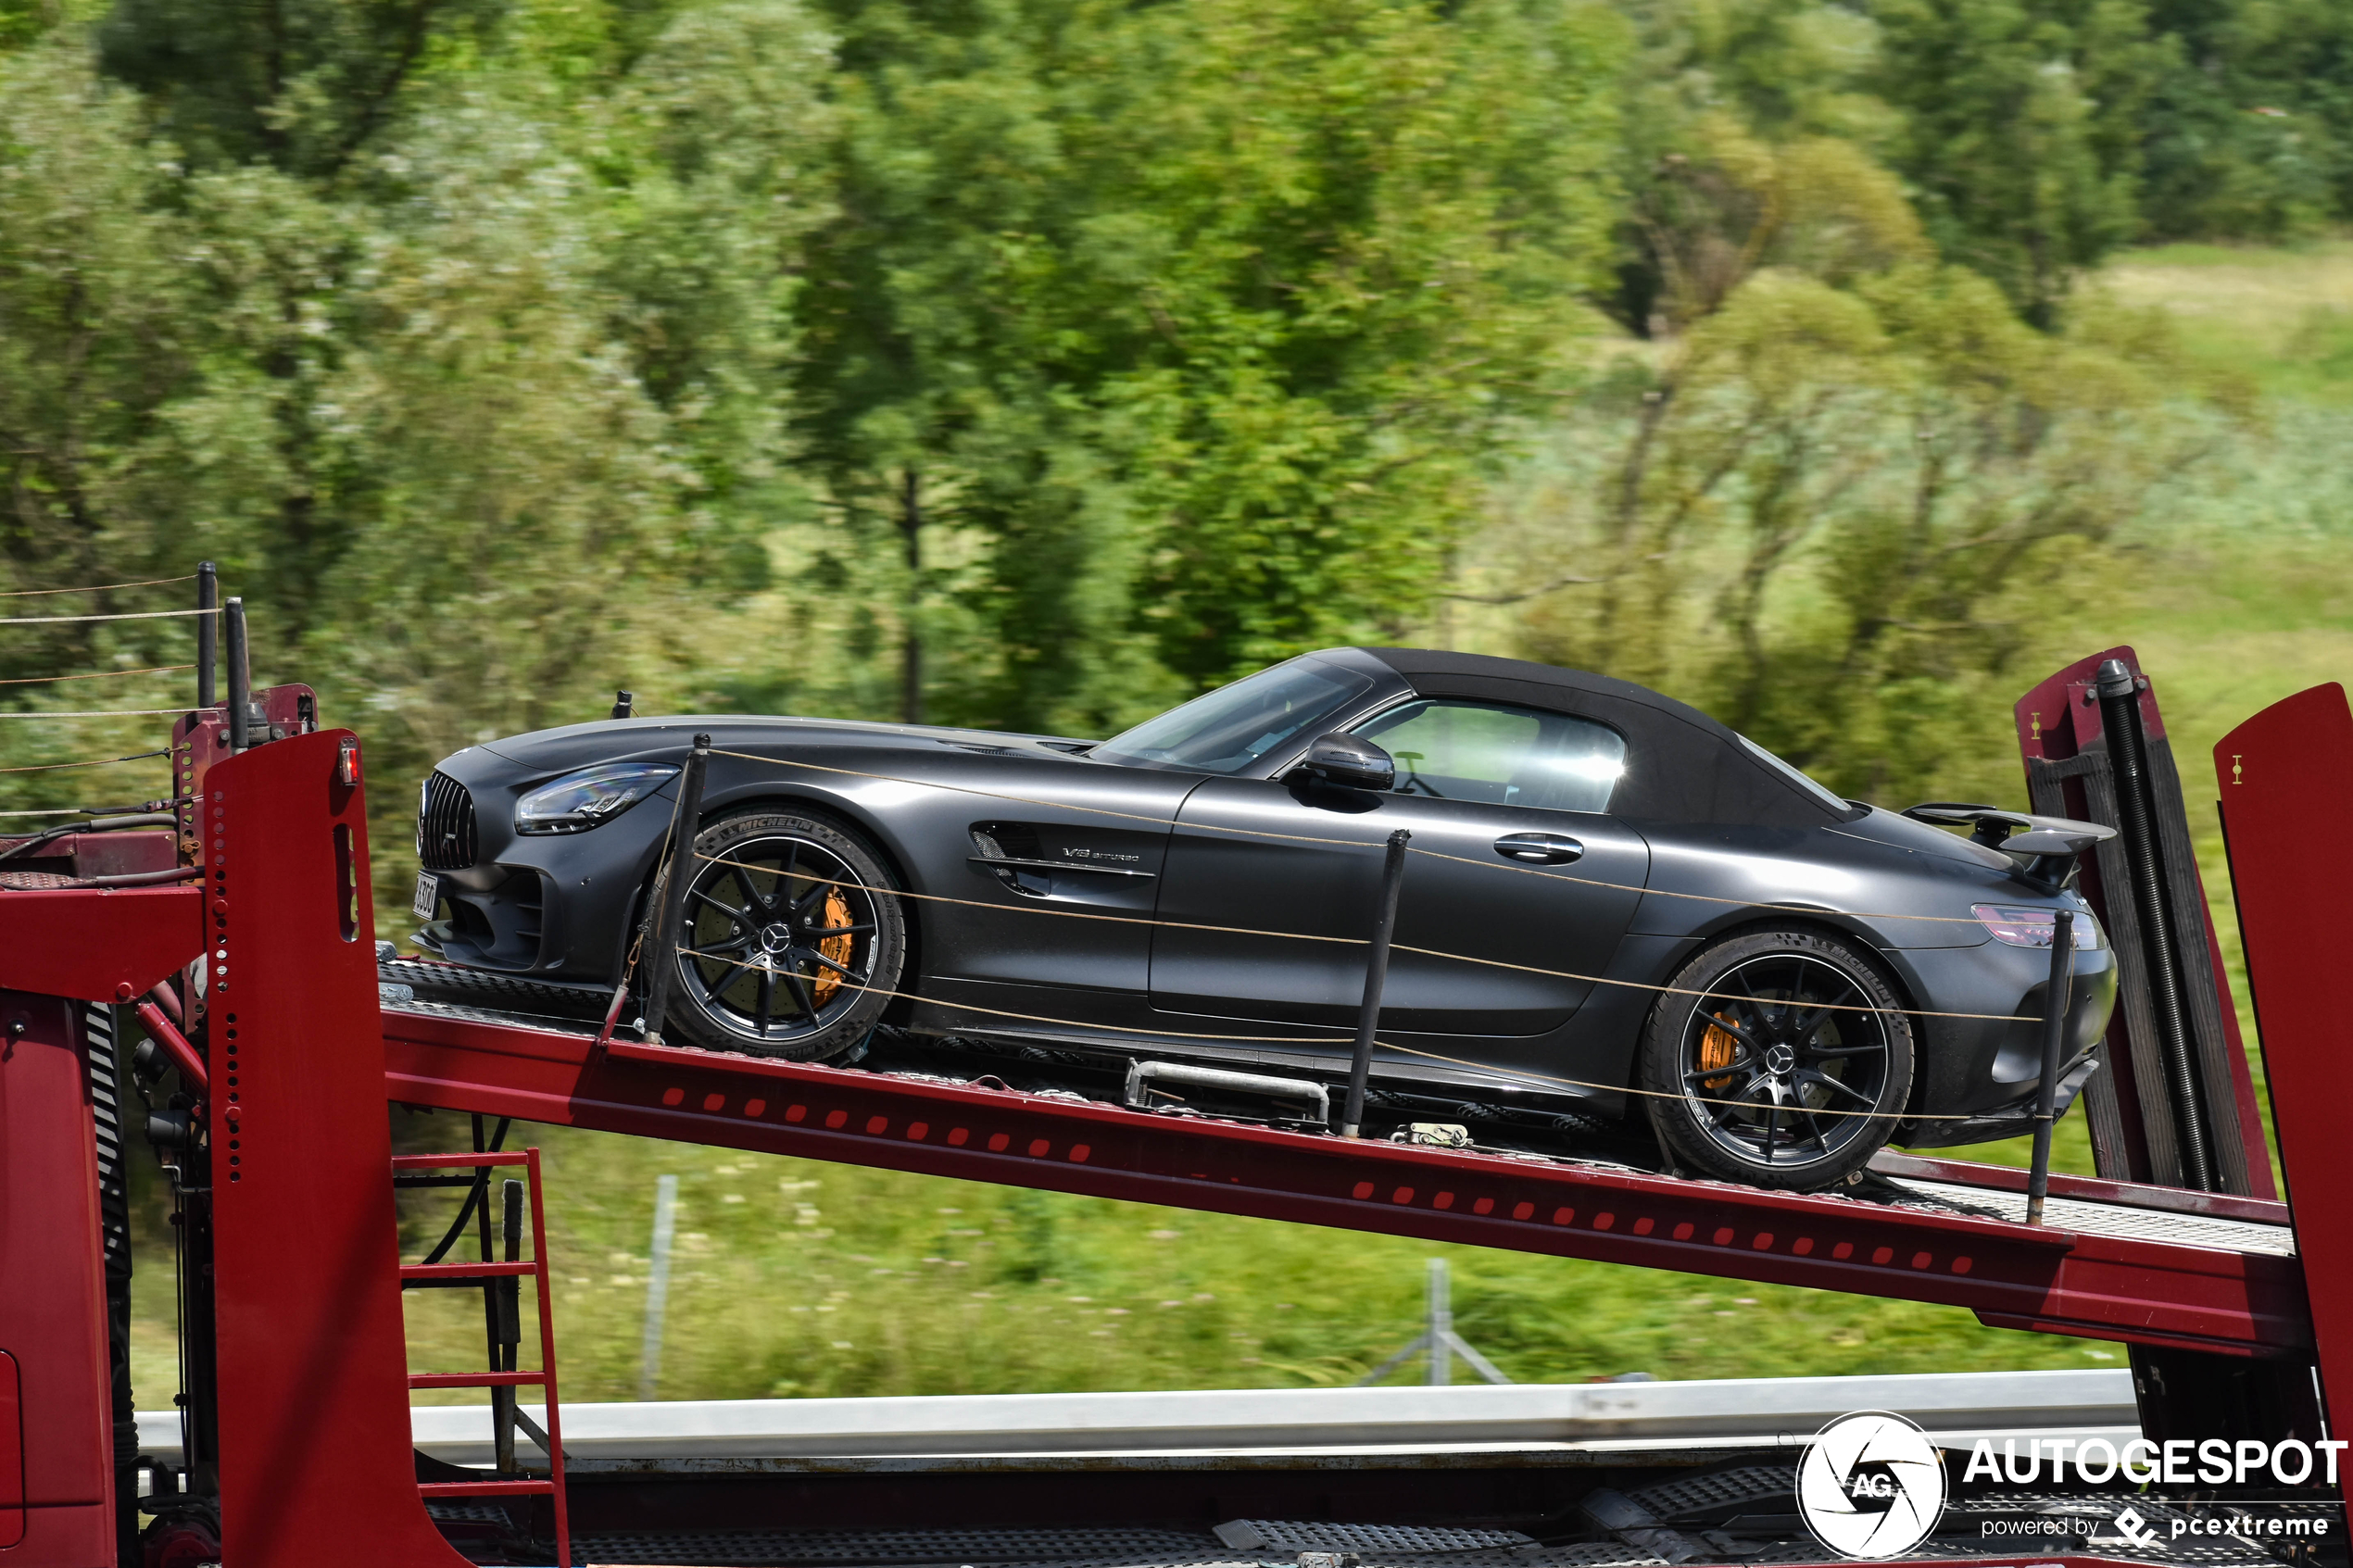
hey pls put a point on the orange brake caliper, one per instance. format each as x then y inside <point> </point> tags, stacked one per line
<point>1716,1048</point>
<point>835,947</point>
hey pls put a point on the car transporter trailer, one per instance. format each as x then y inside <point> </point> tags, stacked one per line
<point>295,1407</point>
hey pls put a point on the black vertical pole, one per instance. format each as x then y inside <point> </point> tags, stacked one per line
<point>1360,1066</point>
<point>240,677</point>
<point>2055,1000</point>
<point>2135,811</point>
<point>207,633</point>
<point>662,957</point>
<point>479,1197</point>
<point>510,1290</point>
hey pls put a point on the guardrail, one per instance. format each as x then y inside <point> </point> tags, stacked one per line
<point>1206,1428</point>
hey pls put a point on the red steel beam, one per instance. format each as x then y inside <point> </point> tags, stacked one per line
<point>2103,1286</point>
<point>97,944</point>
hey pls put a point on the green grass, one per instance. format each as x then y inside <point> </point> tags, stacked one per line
<point>795,1278</point>
<point>2284,315</point>
<point>798,1279</point>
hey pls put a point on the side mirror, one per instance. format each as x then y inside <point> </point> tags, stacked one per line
<point>1349,761</point>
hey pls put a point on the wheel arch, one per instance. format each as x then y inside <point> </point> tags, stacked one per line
<point>1900,975</point>
<point>752,800</point>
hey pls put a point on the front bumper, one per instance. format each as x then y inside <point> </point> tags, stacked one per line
<point>559,906</point>
<point>1978,1077</point>
<point>2015,1119</point>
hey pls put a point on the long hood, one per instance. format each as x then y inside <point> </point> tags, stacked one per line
<point>548,752</point>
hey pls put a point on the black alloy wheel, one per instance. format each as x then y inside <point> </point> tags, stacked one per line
<point>791,943</point>
<point>1780,1058</point>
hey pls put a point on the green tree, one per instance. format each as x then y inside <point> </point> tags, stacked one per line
<point>101,346</point>
<point>1373,249</point>
<point>1711,71</point>
<point>1854,513</point>
<point>486,421</point>
<point>2022,131</point>
<point>2251,129</point>
<point>1194,322</point>
<point>301,83</point>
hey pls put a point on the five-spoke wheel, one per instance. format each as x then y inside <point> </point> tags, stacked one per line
<point>1780,1056</point>
<point>791,943</point>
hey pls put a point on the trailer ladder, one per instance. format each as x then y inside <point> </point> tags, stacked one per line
<point>500,1280</point>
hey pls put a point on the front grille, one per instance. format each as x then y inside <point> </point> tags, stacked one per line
<point>445,838</point>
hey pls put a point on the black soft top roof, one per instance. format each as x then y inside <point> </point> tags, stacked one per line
<point>1681,766</point>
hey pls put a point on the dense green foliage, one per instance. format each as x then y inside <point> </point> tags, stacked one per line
<point>1034,362</point>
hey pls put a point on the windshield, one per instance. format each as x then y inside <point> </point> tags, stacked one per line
<point>1229,729</point>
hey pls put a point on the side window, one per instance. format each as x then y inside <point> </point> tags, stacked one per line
<point>1501,756</point>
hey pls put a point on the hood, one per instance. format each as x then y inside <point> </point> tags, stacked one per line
<point>667,738</point>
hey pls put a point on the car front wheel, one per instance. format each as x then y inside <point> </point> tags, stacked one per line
<point>791,942</point>
<point>1780,1058</point>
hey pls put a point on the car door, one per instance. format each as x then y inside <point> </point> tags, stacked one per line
<point>1518,862</point>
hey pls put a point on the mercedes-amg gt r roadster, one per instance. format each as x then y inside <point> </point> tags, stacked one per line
<point>1612,906</point>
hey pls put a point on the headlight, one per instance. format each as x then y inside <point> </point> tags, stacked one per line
<point>580,801</point>
<point>2023,927</point>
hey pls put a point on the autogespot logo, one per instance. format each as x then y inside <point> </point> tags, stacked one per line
<point>1871,1486</point>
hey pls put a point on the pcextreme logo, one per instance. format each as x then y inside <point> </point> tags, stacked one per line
<point>1871,1486</point>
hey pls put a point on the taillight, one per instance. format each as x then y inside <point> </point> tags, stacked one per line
<point>2026,927</point>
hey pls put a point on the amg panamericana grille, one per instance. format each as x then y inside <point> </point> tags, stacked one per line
<point>445,838</point>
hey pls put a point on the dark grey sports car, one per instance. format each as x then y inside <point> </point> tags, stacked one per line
<point>1614,903</point>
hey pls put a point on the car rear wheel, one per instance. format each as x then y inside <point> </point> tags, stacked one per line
<point>792,942</point>
<point>1781,1058</point>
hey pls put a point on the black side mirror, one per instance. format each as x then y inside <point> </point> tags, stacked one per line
<point>1349,762</point>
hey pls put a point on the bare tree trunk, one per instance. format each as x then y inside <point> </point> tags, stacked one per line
<point>910,664</point>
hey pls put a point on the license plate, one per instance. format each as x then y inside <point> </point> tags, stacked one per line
<point>428,897</point>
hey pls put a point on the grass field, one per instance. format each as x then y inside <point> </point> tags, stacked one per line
<point>795,1278</point>
<point>2284,314</point>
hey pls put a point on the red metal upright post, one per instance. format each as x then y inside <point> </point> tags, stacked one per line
<point>2069,772</point>
<point>57,1489</point>
<point>2285,778</point>
<point>60,950</point>
<point>316,1458</point>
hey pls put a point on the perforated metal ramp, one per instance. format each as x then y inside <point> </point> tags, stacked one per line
<point>1114,1549</point>
<point>2119,1221</point>
<point>580,1029</point>
<point>876,1549</point>
<point>1715,1496</point>
<point>1296,1536</point>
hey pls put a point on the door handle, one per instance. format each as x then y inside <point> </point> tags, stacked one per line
<point>1540,848</point>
